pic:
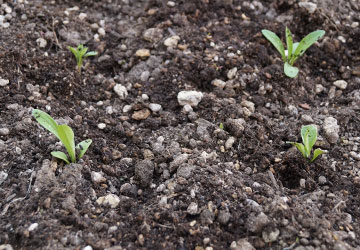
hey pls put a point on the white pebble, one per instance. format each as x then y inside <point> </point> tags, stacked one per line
<point>341,84</point>
<point>101,125</point>
<point>33,226</point>
<point>101,31</point>
<point>4,82</point>
<point>171,4</point>
<point>155,107</point>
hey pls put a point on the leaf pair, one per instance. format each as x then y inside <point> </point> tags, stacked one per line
<point>309,137</point>
<point>294,50</point>
<point>65,134</point>
<point>81,52</point>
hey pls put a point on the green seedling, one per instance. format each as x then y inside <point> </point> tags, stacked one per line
<point>294,50</point>
<point>309,137</point>
<point>80,53</point>
<point>65,134</point>
<point>221,126</point>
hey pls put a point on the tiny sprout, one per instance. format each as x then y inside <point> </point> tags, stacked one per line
<point>294,50</point>
<point>81,52</point>
<point>65,134</point>
<point>309,137</point>
<point>221,126</point>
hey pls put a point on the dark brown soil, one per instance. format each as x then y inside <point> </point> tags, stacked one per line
<point>180,181</point>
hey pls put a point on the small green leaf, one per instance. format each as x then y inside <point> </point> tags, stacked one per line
<point>221,126</point>
<point>289,42</point>
<point>305,43</point>
<point>300,147</point>
<point>309,136</point>
<point>82,147</point>
<point>290,71</point>
<point>60,155</point>
<point>91,53</point>
<point>317,152</point>
<point>275,40</point>
<point>67,138</point>
<point>46,121</point>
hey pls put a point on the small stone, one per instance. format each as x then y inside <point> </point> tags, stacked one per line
<point>292,110</point>
<point>249,105</point>
<point>111,200</point>
<point>101,31</point>
<point>153,35</point>
<point>354,25</point>
<point>87,248</point>
<point>3,176</point>
<point>154,107</point>
<point>218,83</point>
<point>242,244</point>
<point>121,91</point>
<point>307,119</point>
<point>82,16</point>
<point>331,129</point>
<point>341,84</point>
<point>4,131</point>
<point>256,223</point>
<point>41,42</point>
<point>141,114</point>
<point>141,239</point>
<point>101,125</point>
<point>309,6</point>
<point>235,126</point>
<point>322,180</point>
<point>270,235</point>
<point>145,76</point>
<point>142,53</point>
<point>319,88</point>
<point>224,217</point>
<point>6,247</point>
<point>304,106</point>
<point>232,73</point>
<point>172,41</point>
<point>230,142</point>
<point>3,82</point>
<point>187,108</point>
<point>191,98</point>
<point>163,201</point>
<point>170,4</point>
<point>192,208</point>
<point>32,227</point>
<point>144,171</point>
<point>97,177</point>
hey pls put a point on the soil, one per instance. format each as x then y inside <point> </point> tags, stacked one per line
<point>216,174</point>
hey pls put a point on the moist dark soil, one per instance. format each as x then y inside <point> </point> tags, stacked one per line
<point>215,173</point>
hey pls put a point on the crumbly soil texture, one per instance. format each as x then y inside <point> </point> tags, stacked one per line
<point>208,168</point>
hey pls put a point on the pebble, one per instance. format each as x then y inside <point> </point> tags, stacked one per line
<point>170,4</point>
<point>154,107</point>
<point>292,110</point>
<point>319,88</point>
<point>144,171</point>
<point>141,114</point>
<point>309,6</point>
<point>322,180</point>
<point>101,125</point>
<point>172,41</point>
<point>82,16</point>
<point>192,208</point>
<point>97,177</point>
<point>145,76</point>
<point>142,53</point>
<point>224,217</point>
<point>354,25</point>
<point>41,42</point>
<point>242,244</point>
<point>153,35</point>
<point>111,200</point>
<point>236,126</point>
<point>32,227</point>
<point>191,98</point>
<point>101,31</point>
<point>6,247</point>
<point>121,91</point>
<point>232,73</point>
<point>87,248</point>
<point>331,129</point>
<point>218,83</point>
<point>3,82</point>
<point>307,119</point>
<point>341,84</point>
<point>355,156</point>
<point>3,176</point>
<point>141,239</point>
<point>256,223</point>
<point>187,108</point>
<point>230,142</point>
<point>4,131</point>
<point>270,235</point>
<point>163,201</point>
<point>249,105</point>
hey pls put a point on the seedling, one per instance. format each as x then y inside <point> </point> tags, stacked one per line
<point>294,50</point>
<point>221,126</point>
<point>81,52</point>
<point>309,136</point>
<point>65,134</point>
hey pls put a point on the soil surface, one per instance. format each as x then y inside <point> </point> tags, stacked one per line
<point>208,168</point>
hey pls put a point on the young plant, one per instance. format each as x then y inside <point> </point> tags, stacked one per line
<point>294,50</point>
<point>65,134</point>
<point>309,136</point>
<point>81,52</point>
